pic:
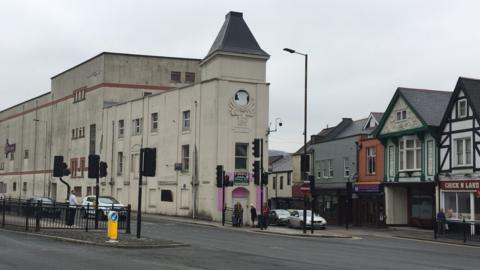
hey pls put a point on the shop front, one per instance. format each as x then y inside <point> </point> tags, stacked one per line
<point>368,204</point>
<point>460,199</point>
<point>331,202</point>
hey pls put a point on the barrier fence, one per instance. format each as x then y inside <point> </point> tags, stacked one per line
<point>33,215</point>
<point>459,230</point>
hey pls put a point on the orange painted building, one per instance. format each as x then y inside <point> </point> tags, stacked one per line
<point>368,195</point>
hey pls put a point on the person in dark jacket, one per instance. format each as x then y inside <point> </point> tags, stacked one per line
<point>441,221</point>
<point>253,214</point>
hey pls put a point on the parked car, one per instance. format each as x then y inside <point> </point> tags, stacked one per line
<point>278,217</point>
<point>105,205</point>
<point>49,208</point>
<point>296,220</point>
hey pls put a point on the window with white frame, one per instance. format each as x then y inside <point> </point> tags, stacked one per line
<point>391,160</point>
<point>241,156</point>
<point>371,160</point>
<point>410,150</point>
<point>458,205</point>
<point>137,126</point>
<point>186,120</point>
<point>324,169</point>
<point>401,115</point>
<point>330,168</point>
<point>462,108</point>
<point>463,151</point>
<point>185,157</point>
<point>121,128</point>
<point>154,122</point>
<point>346,167</point>
<point>430,157</point>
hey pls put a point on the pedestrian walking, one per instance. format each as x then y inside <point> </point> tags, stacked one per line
<point>266,212</point>
<point>72,208</point>
<point>441,221</point>
<point>253,214</point>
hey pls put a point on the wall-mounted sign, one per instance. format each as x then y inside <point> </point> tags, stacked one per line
<point>367,188</point>
<point>460,185</point>
<point>9,148</point>
<point>240,179</point>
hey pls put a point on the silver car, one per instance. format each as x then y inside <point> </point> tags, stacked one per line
<point>296,220</point>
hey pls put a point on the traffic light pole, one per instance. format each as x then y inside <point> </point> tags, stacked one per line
<point>96,202</point>
<point>261,180</point>
<point>68,186</point>
<point>139,208</point>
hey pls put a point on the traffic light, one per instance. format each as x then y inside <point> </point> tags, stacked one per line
<point>265,179</point>
<point>149,161</point>
<point>311,178</point>
<point>256,148</point>
<point>103,169</point>
<point>65,170</point>
<point>58,166</point>
<point>219,176</point>
<point>256,172</point>
<point>305,163</point>
<point>93,166</point>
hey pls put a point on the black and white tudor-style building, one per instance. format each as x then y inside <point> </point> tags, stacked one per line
<point>459,157</point>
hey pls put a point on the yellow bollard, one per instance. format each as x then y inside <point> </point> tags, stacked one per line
<point>112,231</point>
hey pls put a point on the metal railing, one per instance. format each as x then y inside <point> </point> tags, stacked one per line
<point>33,215</point>
<point>457,230</point>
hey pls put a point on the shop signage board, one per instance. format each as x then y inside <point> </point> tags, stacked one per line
<point>460,185</point>
<point>240,179</point>
<point>367,188</point>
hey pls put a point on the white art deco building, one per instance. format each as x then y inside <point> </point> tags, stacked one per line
<point>197,113</point>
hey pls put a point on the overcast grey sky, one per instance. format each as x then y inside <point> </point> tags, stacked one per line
<point>359,51</point>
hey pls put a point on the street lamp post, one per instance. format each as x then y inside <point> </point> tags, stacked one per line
<point>304,173</point>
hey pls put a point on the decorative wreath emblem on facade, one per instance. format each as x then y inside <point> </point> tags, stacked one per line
<point>242,106</point>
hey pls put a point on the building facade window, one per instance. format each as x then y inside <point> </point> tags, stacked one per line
<point>463,151</point>
<point>82,167</point>
<point>12,156</point>
<point>274,182</point>
<point>120,163</point>
<point>371,160</point>
<point>166,195</point>
<point>26,154</point>
<point>330,168</point>
<point>457,205</point>
<point>154,122</point>
<point>186,120</point>
<point>185,158</point>
<point>25,187</point>
<point>73,167</point>
<point>430,158</point>
<point>410,150</point>
<point>241,157</point>
<point>14,186</point>
<point>324,169</point>
<point>121,128</point>
<point>289,179</point>
<point>175,76</point>
<point>401,115</point>
<point>281,182</point>
<point>79,95</point>
<point>462,108</point>
<point>346,167</point>
<point>137,125</point>
<point>391,160</point>
<point>189,77</point>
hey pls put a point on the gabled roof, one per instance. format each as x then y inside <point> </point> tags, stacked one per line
<point>471,88</point>
<point>283,164</point>
<point>428,105</point>
<point>236,37</point>
<point>375,117</point>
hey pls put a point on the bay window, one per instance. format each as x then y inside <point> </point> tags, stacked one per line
<point>410,154</point>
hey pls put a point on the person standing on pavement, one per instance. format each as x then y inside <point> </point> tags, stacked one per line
<point>441,221</point>
<point>266,212</point>
<point>72,208</point>
<point>253,214</point>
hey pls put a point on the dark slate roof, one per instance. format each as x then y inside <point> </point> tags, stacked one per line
<point>471,87</point>
<point>235,37</point>
<point>429,104</point>
<point>283,164</point>
<point>378,116</point>
<point>355,128</point>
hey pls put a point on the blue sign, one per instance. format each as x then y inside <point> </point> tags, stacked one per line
<point>114,216</point>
